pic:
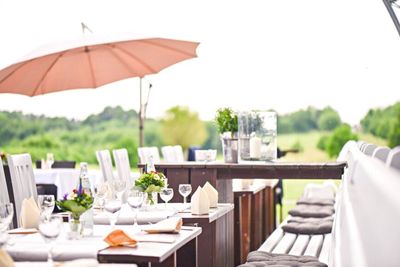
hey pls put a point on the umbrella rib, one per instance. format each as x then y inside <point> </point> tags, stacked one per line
<point>45,74</point>
<point>168,48</point>
<point>91,67</point>
<point>150,69</point>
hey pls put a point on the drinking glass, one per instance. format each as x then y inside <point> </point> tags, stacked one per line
<point>100,193</point>
<point>46,204</point>
<point>135,201</point>
<point>50,229</point>
<point>185,190</point>
<point>166,194</point>
<point>119,187</point>
<point>113,206</point>
<point>50,159</point>
<point>6,215</point>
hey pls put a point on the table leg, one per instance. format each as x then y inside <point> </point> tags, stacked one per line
<point>188,254</point>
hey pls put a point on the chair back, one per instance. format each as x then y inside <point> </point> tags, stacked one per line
<point>121,159</point>
<point>381,153</point>
<point>22,180</point>
<point>178,151</point>
<point>145,153</point>
<point>105,162</point>
<point>369,149</point>
<point>393,159</point>
<point>4,198</point>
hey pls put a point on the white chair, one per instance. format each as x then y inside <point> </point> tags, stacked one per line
<point>4,198</point>
<point>121,160</point>
<point>168,153</point>
<point>145,153</point>
<point>105,162</point>
<point>369,149</point>
<point>381,153</point>
<point>22,180</point>
<point>393,159</point>
<point>178,153</point>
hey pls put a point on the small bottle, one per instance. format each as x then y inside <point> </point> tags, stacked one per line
<point>150,165</point>
<point>84,185</point>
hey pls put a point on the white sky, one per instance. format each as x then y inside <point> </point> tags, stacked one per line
<point>280,54</point>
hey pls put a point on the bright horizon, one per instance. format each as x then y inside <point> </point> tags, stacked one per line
<point>264,54</point>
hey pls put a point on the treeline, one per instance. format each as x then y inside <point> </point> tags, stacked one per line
<point>384,123</point>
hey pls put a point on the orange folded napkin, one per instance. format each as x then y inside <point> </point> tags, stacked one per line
<point>170,225</point>
<point>119,238</point>
<point>5,259</point>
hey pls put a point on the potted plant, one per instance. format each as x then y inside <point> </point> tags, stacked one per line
<point>151,184</point>
<point>227,124</point>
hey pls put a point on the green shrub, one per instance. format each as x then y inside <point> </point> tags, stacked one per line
<point>322,142</point>
<point>339,137</point>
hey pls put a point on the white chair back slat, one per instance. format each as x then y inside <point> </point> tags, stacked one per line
<point>22,180</point>
<point>121,159</point>
<point>393,159</point>
<point>381,153</point>
<point>105,162</point>
<point>167,153</point>
<point>4,198</point>
<point>365,231</point>
<point>369,149</point>
<point>145,153</point>
<point>178,151</point>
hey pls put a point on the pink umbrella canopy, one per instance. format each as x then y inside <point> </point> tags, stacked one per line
<point>91,64</point>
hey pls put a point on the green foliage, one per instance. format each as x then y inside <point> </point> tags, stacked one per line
<point>334,143</point>
<point>394,135</point>
<point>226,120</point>
<point>182,127</point>
<point>298,146</point>
<point>131,146</point>
<point>382,122</point>
<point>328,119</point>
<point>322,142</point>
<point>150,183</point>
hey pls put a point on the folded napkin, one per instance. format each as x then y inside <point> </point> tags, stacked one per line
<point>308,226</point>
<point>119,238</point>
<point>30,213</point>
<point>261,258</point>
<point>316,211</point>
<point>212,194</point>
<point>200,202</point>
<point>170,225</point>
<point>316,201</point>
<point>80,263</point>
<point>5,259</point>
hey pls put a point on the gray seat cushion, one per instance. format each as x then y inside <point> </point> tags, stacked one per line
<point>316,211</point>
<point>308,226</point>
<point>261,258</point>
<point>316,201</point>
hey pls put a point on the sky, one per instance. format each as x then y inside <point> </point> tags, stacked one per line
<point>254,54</point>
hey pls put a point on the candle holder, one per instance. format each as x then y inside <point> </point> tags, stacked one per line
<point>257,136</point>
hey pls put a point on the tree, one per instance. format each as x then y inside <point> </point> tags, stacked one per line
<point>340,136</point>
<point>182,127</point>
<point>328,120</point>
<point>394,136</point>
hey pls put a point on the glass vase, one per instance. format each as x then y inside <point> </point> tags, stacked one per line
<point>75,227</point>
<point>151,200</point>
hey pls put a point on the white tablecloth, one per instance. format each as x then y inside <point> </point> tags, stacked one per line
<point>65,179</point>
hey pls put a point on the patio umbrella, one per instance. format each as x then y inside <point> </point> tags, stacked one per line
<point>91,63</point>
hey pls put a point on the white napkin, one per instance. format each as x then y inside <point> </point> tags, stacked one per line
<point>30,213</point>
<point>212,194</point>
<point>200,202</point>
<point>172,224</point>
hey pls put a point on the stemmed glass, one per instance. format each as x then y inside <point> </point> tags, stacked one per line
<point>6,215</point>
<point>100,193</point>
<point>50,159</point>
<point>166,194</point>
<point>119,187</point>
<point>113,206</point>
<point>135,201</point>
<point>185,190</point>
<point>46,204</point>
<point>50,229</point>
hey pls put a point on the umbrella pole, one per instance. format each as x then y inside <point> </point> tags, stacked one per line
<point>141,118</point>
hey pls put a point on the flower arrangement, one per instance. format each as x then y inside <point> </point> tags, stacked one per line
<point>150,183</point>
<point>77,202</point>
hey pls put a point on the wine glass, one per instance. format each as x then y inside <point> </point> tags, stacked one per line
<point>100,193</point>
<point>6,215</point>
<point>185,190</point>
<point>50,159</point>
<point>166,194</point>
<point>113,206</point>
<point>46,204</point>
<point>50,228</point>
<point>135,201</point>
<point>119,187</point>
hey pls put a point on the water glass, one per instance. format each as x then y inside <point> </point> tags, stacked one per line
<point>166,194</point>
<point>49,159</point>
<point>100,193</point>
<point>185,190</point>
<point>46,204</point>
<point>119,187</point>
<point>113,206</point>
<point>50,228</point>
<point>135,201</point>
